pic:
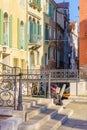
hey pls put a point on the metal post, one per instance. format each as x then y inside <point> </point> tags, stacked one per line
<point>20,107</point>
<point>27,81</point>
<point>49,91</point>
<point>77,83</point>
<point>15,88</point>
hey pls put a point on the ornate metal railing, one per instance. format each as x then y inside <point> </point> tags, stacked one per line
<point>15,82</point>
<point>9,77</point>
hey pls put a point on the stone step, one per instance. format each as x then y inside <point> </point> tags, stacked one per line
<point>31,111</point>
<point>38,100</point>
<point>34,110</point>
<point>10,123</point>
<point>38,120</point>
<point>48,120</point>
<point>55,122</point>
<point>28,103</point>
<point>36,117</point>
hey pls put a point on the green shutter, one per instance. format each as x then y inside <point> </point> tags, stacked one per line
<point>1,28</point>
<point>47,34</point>
<point>35,30</point>
<point>18,30</point>
<point>10,31</point>
<point>39,31</point>
<point>25,38</point>
<point>51,10</point>
<point>28,31</point>
<point>31,31</point>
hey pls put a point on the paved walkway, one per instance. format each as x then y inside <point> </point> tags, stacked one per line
<point>78,121</point>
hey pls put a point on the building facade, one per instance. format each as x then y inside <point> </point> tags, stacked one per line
<point>73,45</point>
<point>83,34</point>
<point>63,48</point>
<point>35,33</point>
<point>13,43</point>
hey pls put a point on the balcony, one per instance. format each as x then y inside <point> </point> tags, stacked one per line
<point>35,42</point>
<point>35,5</point>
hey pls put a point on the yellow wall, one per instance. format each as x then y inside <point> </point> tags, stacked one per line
<point>17,11</point>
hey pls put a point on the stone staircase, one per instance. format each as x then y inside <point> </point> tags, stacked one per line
<point>38,114</point>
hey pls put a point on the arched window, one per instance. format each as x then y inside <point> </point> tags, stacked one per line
<point>22,34</point>
<point>6,29</point>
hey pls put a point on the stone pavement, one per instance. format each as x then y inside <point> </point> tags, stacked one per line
<point>78,121</point>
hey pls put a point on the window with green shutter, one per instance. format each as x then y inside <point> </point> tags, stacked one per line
<point>1,28</point>
<point>10,31</point>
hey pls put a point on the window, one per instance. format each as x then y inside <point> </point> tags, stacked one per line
<point>32,59</point>
<point>22,34</point>
<point>50,32</point>
<point>46,33</point>
<point>48,53</point>
<point>46,59</point>
<point>6,29</point>
<point>54,34</point>
<point>37,58</point>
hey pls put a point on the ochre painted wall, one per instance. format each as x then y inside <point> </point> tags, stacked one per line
<point>83,33</point>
